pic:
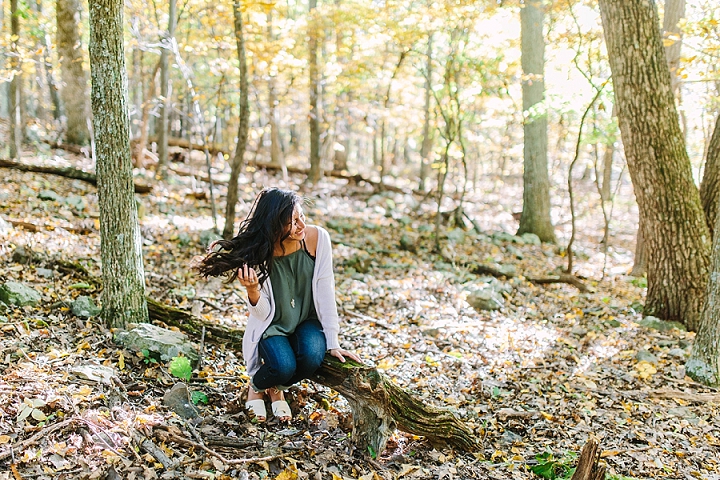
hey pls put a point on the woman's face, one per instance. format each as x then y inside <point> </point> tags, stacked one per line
<point>297,224</point>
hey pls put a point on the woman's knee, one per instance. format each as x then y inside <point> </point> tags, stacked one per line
<point>278,358</point>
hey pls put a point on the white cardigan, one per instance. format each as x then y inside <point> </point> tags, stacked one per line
<point>323,288</point>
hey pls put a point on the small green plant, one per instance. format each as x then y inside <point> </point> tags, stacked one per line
<point>554,468</point>
<point>640,282</point>
<point>147,357</point>
<point>181,368</point>
<point>199,397</point>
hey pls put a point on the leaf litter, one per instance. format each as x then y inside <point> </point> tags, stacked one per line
<point>534,378</point>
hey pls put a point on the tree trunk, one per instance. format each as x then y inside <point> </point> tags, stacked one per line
<point>74,81</point>
<point>676,235</point>
<point>276,156</point>
<point>244,117</point>
<point>315,167</point>
<point>14,89</point>
<point>4,85</point>
<point>48,67</point>
<point>141,144</point>
<point>710,185</point>
<point>605,190</point>
<point>704,362</point>
<point>640,262</point>
<point>341,149</point>
<point>672,38</point>
<point>123,295</point>
<point>165,93</point>
<point>427,140</point>
<point>535,216</point>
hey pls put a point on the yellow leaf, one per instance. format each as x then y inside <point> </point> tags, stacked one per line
<point>289,473</point>
<point>121,362</point>
<point>645,369</point>
<point>4,439</point>
<point>406,468</point>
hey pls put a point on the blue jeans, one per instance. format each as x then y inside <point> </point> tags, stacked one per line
<point>287,360</point>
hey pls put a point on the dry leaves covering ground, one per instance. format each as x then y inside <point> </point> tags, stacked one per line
<point>534,379</point>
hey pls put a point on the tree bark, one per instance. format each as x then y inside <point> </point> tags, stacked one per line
<point>704,362</point>
<point>676,234</point>
<point>535,216</point>
<point>123,295</point>
<point>315,168</point>
<point>244,116</point>
<point>165,93</point>
<point>710,185</point>
<point>74,81</point>
<point>587,467</point>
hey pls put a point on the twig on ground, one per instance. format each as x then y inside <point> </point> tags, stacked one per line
<point>169,436</point>
<point>42,433</point>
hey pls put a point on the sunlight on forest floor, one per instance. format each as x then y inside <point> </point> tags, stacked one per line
<point>569,363</point>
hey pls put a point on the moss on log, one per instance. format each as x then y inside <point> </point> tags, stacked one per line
<point>379,406</point>
<point>193,325</point>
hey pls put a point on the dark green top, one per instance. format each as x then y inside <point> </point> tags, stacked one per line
<point>291,280</point>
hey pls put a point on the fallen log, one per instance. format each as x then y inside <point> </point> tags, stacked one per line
<point>560,278</point>
<point>378,405</point>
<point>67,172</point>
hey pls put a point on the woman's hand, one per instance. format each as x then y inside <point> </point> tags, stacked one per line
<point>340,354</point>
<point>248,278</point>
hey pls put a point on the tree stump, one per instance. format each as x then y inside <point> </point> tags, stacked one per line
<point>378,405</point>
<point>588,468</point>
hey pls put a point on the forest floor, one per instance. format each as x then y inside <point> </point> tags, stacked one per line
<point>534,379</point>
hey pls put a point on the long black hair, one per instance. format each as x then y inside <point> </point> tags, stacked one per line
<point>266,224</point>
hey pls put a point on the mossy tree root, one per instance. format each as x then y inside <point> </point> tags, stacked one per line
<point>379,406</point>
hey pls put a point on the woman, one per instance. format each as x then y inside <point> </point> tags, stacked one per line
<point>286,267</point>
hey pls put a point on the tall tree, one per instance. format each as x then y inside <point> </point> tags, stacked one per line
<point>276,157</point>
<point>672,37</point>
<point>14,89</point>
<point>710,185</point>
<point>535,217</point>
<point>123,295</point>
<point>676,235</point>
<point>163,129</point>
<point>74,80</point>
<point>704,362</point>
<point>243,125</point>
<point>315,168</point>
<point>427,140</point>
<point>47,65</point>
